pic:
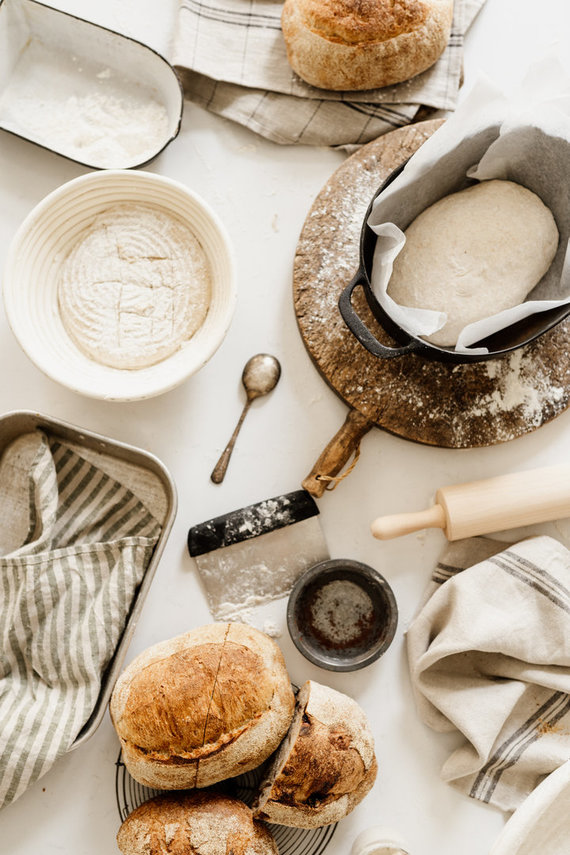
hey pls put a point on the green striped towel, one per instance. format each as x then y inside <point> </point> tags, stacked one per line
<point>64,598</point>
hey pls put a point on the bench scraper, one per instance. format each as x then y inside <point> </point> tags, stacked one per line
<point>255,554</point>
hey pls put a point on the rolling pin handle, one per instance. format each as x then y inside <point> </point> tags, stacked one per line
<point>397,525</point>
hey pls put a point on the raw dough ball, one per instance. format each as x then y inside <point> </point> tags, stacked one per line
<point>135,287</point>
<point>473,254</point>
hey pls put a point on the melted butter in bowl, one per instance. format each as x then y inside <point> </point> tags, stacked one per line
<point>342,615</point>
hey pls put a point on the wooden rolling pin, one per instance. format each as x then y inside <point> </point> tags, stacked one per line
<point>482,507</point>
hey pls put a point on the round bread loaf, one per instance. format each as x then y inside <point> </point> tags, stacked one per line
<point>194,824</point>
<point>325,765</point>
<point>473,254</point>
<point>202,707</point>
<point>364,44</point>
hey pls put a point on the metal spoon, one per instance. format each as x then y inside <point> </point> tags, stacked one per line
<point>260,375</point>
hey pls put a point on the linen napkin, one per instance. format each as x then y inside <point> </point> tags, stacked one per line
<point>489,657</point>
<point>232,60</point>
<point>66,593</point>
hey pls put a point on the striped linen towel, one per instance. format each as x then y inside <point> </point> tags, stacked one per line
<point>489,656</point>
<point>65,596</point>
<point>232,60</point>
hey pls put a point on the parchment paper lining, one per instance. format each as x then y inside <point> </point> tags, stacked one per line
<point>525,139</point>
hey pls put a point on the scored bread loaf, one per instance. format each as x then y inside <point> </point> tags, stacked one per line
<point>364,44</point>
<point>196,823</point>
<point>202,707</point>
<point>324,766</point>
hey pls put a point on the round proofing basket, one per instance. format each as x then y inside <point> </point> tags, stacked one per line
<point>32,272</point>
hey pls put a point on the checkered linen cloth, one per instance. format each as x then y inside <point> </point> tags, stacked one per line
<point>232,60</point>
<point>489,656</point>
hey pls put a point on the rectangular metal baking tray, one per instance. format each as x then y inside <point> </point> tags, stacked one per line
<point>128,464</point>
<point>83,91</point>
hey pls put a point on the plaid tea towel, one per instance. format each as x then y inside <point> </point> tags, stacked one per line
<point>232,60</point>
<point>489,656</point>
<point>65,596</point>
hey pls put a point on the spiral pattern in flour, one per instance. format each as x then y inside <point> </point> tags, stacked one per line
<point>135,286</point>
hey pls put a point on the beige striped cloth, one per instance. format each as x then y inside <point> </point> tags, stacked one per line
<point>65,594</point>
<point>489,655</point>
<point>231,57</point>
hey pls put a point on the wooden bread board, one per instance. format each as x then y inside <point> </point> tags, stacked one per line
<point>440,404</point>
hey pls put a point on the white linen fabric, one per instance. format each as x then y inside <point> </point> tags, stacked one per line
<point>489,658</point>
<point>65,595</point>
<point>232,60</point>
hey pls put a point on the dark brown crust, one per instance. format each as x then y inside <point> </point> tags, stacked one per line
<point>322,766</point>
<point>168,701</point>
<point>362,21</point>
<point>241,693</point>
<point>163,826</point>
<point>202,707</point>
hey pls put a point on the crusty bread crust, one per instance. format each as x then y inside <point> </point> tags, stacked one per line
<point>194,824</point>
<point>364,44</point>
<point>202,707</point>
<point>325,765</point>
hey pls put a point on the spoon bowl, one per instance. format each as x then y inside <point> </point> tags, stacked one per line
<point>260,375</point>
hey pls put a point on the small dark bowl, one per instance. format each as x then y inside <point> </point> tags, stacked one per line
<point>500,343</point>
<point>353,640</point>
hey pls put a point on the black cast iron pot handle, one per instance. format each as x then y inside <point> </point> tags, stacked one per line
<point>361,331</point>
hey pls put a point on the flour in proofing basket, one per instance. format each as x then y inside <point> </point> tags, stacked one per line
<point>135,286</point>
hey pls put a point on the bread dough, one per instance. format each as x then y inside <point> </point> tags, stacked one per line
<point>135,287</point>
<point>473,254</point>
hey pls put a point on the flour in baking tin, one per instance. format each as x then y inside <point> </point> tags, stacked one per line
<point>83,109</point>
<point>135,286</point>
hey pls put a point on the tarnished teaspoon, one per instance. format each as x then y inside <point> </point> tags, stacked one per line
<point>260,375</point>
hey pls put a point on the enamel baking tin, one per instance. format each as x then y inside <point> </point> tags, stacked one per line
<point>123,462</point>
<point>83,91</point>
<point>32,270</point>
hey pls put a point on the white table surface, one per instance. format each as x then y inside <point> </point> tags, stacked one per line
<point>262,192</point>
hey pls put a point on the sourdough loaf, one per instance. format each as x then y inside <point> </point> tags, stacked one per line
<point>364,44</point>
<point>325,765</point>
<point>196,823</point>
<point>202,707</point>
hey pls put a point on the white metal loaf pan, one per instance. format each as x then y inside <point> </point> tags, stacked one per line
<point>83,91</point>
<point>141,472</point>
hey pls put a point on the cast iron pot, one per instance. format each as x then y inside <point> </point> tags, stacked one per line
<point>498,344</point>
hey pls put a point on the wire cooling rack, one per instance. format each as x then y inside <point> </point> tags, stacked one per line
<point>290,841</point>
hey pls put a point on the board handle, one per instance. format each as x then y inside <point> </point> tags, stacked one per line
<point>338,452</point>
<point>396,525</point>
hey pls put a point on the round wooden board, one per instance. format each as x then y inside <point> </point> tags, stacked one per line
<point>453,406</point>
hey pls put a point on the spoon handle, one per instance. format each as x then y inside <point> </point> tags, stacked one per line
<point>219,469</point>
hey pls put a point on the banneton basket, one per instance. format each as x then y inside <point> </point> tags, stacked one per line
<point>39,249</point>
